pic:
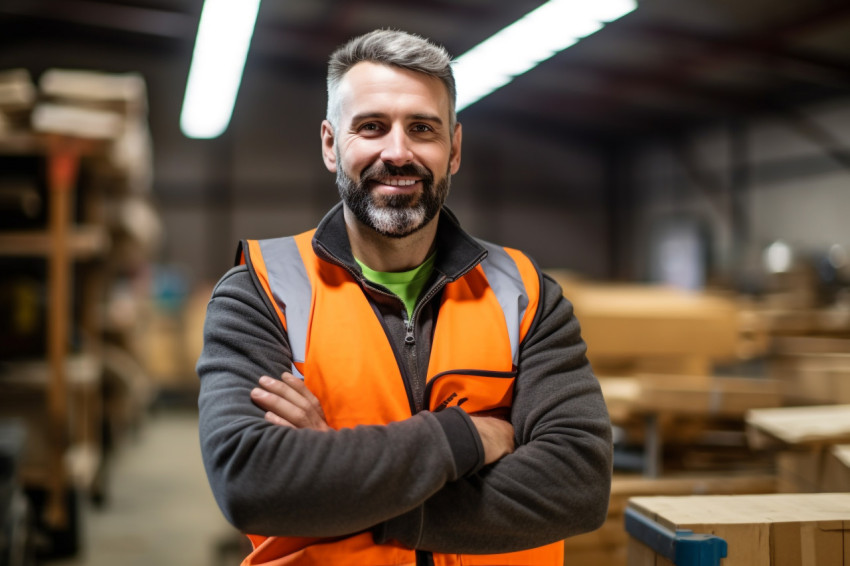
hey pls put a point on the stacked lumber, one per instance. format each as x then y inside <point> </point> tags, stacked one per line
<point>810,445</point>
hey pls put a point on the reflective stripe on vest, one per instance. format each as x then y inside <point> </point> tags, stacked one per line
<point>291,289</point>
<point>341,350</point>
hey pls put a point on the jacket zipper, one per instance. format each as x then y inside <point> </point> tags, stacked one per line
<point>423,558</point>
<point>417,402</point>
<point>414,397</point>
<point>410,350</point>
<point>410,338</point>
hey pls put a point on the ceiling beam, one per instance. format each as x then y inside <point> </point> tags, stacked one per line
<point>774,52</point>
<point>679,75</point>
<point>106,15</point>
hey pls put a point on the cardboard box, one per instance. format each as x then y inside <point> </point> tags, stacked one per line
<point>760,530</point>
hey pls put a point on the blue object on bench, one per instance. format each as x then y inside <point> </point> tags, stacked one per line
<point>683,547</point>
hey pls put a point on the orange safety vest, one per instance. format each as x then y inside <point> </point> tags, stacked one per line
<point>337,342</point>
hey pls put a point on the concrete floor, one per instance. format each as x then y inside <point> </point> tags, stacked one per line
<point>159,508</point>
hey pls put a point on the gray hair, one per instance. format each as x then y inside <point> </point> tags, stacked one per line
<point>390,47</point>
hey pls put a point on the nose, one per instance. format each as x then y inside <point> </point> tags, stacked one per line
<point>397,149</point>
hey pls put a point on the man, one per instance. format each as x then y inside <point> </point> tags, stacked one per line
<point>434,404</point>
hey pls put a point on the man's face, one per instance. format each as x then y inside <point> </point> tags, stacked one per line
<point>393,152</point>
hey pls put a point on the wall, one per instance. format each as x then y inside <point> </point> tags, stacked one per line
<point>746,184</point>
<point>264,176</point>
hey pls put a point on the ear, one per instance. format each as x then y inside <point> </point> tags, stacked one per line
<point>454,157</point>
<point>328,151</point>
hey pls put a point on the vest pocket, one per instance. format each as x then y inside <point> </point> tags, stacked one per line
<point>476,392</point>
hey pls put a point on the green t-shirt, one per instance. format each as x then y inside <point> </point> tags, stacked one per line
<point>407,285</point>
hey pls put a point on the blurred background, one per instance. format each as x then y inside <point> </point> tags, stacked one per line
<point>683,172</point>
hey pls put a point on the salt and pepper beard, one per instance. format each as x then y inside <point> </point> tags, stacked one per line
<point>394,216</point>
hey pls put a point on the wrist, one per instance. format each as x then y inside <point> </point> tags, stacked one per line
<point>464,440</point>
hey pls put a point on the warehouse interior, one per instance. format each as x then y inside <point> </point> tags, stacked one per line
<point>684,173</point>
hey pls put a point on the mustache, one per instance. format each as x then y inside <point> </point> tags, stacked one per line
<point>381,170</point>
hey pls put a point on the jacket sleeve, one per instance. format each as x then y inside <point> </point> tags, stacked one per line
<point>557,482</point>
<point>274,480</point>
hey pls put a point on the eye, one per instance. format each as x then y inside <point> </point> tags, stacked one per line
<point>370,127</point>
<point>422,128</point>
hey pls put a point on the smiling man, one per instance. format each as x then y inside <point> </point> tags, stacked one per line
<point>386,389</point>
<point>394,129</point>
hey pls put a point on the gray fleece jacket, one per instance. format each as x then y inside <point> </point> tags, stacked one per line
<point>420,481</point>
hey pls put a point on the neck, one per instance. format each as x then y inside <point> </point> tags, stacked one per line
<point>383,253</point>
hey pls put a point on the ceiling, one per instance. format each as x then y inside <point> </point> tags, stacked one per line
<point>669,66</point>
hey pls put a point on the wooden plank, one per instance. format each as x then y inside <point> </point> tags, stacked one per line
<point>642,321</point>
<point>761,530</point>
<point>80,369</point>
<point>621,394</point>
<point>638,554</point>
<point>681,511</point>
<point>611,541</point>
<point>821,544</point>
<point>797,345</point>
<point>82,242</point>
<point>624,487</point>
<point>22,143</point>
<point>600,556</point>
<point>706,396</point>
<point>62,175</point>
<point>799,426</point>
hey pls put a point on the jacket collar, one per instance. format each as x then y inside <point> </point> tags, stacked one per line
<point>457,251</point>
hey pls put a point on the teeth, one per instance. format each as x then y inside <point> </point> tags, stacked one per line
<point>399,183</point>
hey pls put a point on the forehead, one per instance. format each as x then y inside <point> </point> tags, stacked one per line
<point>376,88</point>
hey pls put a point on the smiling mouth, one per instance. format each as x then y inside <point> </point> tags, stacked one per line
<point>397,182</point>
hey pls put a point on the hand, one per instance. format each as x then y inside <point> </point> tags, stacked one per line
<point>497,436</point>
<point>288,402</point>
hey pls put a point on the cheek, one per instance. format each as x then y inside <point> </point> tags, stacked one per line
<point>440,163</point>
<point>434,156</point>
<point>354,157</point>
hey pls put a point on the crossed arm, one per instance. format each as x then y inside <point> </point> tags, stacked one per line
<point>288,402</point>
<point>401,480</point>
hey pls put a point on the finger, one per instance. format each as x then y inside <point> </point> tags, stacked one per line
<point>281,407</point>
<point>286,391</point>
<point>275,419</point>
<point>287,403</point>
<point>299,386</point>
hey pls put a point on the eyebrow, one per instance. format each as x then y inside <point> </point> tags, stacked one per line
<point>428,118</point>
<point>423,117</point>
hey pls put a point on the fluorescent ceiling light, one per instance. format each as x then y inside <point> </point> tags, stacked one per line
<point>532,39</point>
<point>224,35</point>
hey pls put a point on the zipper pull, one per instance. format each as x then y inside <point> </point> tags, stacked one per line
<point>408,338</point>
